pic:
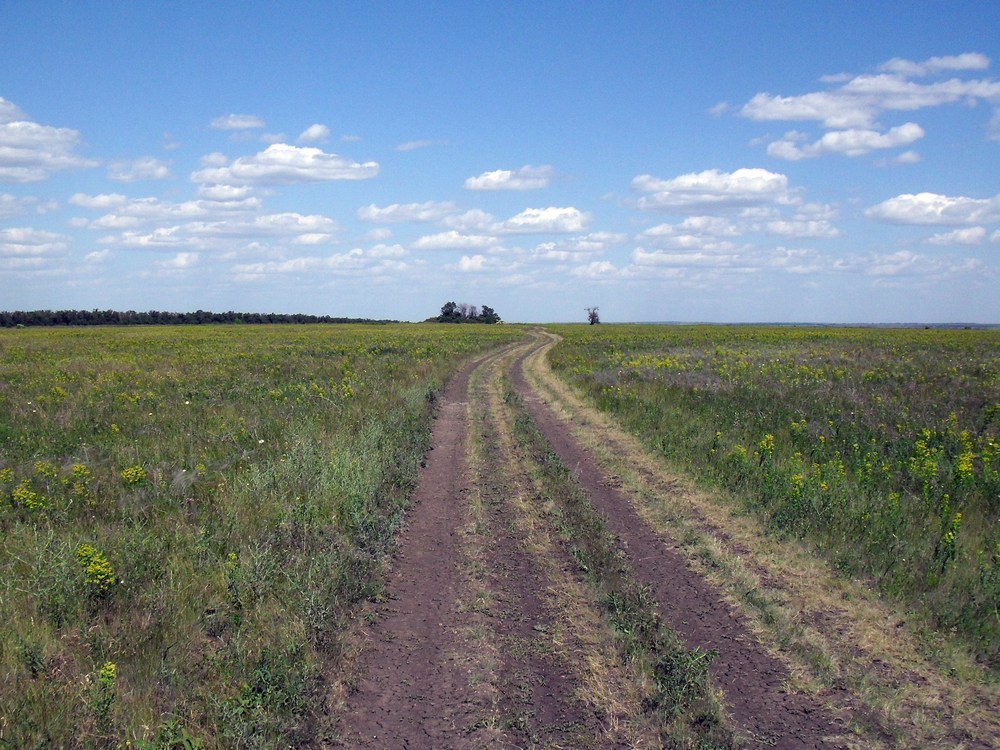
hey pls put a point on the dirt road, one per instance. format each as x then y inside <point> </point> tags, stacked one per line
<point>496,633</point>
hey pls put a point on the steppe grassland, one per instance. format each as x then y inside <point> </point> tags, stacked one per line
<point>882,446</point>
<point>189,516</point>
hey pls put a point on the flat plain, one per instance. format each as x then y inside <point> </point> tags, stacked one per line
<point>499,536</point>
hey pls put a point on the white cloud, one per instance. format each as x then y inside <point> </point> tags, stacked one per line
<point>474,220</point>
<point>712,190</point>
<point>30,242</point>
<point>859,102</point>
<point>228,234</point>
<point>179,261</point>
<point>598,269</point>
<point>11,206</point>
<point>214,159</point>
<point>236,122</point>
<point>970,236</point>
<point>641,257</point>
<point>525,178</point>
<point>386,251</point>
<point>893,264</point>
<point>547,220</point>
<point>852,142</point>
<point>146,168</point>
<point>281,164</point>
<point>965,61</point>
<point>10,112</point>
<point>102,201</point>
<point>820,229</point>
<point>98,256</point>
<point>934,209</point>
<point>30,152</point>
<point>396,213</point>
<point>315,134</point>
<point>853,104</point>
<point>472,264</point>
<point>225,193</point>
<point>453,240</point>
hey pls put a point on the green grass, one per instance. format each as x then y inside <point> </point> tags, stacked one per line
<point>189,516</point>
<point>882,446</point>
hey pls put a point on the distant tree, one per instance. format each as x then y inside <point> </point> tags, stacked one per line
<point>488,315</point>
<point>592,317</point>
<point>463,312</point>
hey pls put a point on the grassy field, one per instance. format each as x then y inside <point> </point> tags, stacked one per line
<point>190,515</point>
<point>880,446</point>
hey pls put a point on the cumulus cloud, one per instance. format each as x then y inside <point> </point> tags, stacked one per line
<point>853,104</point>
<point>351,261</point>
<point>453,240</point>
<point>208,232</point>
<point>282,164</point>
<point>30,152</point>
<point>30,242</point>
<point>861,99</point>
<point>697,258</point>
<point>97,256</point>
<point>525,178</point>
<point>236,122</point>
<point>472,263</point>
<point>934,209</point>
<point>802,228</point>
<point>547,220</point>
<point>970,236</point>
<point>965,61</point>
<point>713,191</point>
<point>102,201</point>
<point>473,220</point>
<point>852,142</point>
<point>397,213</point>
<point>598,269</point>
<point>11,206</point>
<point>316,133</point>
<point>179,261</point>
<point>146,168</point>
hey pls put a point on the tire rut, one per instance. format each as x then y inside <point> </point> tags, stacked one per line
<point>422,683</point>
<point>751,680</point>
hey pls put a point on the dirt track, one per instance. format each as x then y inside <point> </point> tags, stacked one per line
<point>476,646</point>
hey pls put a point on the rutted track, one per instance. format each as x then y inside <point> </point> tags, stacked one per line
<point>477,646</point>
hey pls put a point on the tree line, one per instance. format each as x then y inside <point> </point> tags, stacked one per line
<point>157,317</point>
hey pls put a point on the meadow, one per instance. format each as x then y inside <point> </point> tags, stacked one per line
<point>881,447</point>
<point>191,516</point>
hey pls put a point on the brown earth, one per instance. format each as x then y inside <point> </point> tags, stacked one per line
<point>419,686</point>
<point>469,649</point>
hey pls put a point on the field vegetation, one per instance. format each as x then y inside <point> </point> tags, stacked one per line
<point>879,446</point>
<point>189,517</point>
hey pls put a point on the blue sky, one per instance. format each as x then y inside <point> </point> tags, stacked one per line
<point>701,161</point>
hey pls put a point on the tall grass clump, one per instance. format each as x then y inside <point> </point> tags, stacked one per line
<point>189,516</point>
<point>880,445</point>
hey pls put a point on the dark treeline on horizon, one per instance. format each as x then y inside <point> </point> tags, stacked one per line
<point>156,317</point>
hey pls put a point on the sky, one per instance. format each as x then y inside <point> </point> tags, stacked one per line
<point>823,162</point>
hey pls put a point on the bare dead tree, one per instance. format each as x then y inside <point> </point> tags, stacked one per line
<point>592,317</point>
